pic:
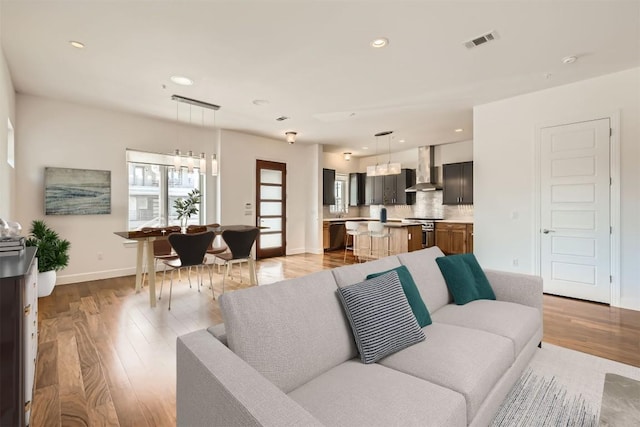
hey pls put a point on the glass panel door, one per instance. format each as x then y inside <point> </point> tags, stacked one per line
<point>271,208</point>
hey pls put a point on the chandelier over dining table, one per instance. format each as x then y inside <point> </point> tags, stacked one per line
<point>189,159</point>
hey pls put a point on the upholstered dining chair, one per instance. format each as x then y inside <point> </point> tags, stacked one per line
<point>240,243</point>
<point>162,249</point>
<point>191,249</point>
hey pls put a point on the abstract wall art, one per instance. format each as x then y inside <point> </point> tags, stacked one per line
<point>77,191</point>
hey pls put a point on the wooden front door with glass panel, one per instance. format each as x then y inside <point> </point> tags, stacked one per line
<point>271,208</point>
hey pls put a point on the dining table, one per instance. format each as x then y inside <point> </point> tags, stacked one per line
<point>145,239</point>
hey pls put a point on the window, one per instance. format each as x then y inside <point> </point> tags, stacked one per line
<point>154,185</point>
<point>340,193</point>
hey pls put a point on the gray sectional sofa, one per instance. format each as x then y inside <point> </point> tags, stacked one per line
<point>286,355</point>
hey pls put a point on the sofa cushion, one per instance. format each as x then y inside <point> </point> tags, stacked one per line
<point>465,279</point>
<point>219,332</point>
<point>289,331</point>
<point>411,292</point>
<point>353,394</point>
<point>517,322</point>
<point>380,316</point>
<point>425,272</point>
<point>355,273</point>
<point>468,361</point>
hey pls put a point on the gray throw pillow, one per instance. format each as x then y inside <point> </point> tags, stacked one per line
<point>380,317</point>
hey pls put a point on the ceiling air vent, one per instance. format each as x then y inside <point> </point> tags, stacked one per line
<point>481,40</point>
<point>281,118</point>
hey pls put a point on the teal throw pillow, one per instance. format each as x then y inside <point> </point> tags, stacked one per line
<point>465,279</point>
<point>411,292</point>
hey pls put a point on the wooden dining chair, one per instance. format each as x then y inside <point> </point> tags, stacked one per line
<point>191,250</point>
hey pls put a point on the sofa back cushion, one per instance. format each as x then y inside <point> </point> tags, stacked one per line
<point>290,331</point>
<point>426,273</point>
<point>356,273</point>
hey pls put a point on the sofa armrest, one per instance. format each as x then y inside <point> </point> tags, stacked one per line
<point>523,289</point>
<point>216,387</point>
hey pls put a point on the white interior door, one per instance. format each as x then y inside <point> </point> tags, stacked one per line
<point>575,239</point>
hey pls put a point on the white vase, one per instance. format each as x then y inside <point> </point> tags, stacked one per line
<point>46,282</point>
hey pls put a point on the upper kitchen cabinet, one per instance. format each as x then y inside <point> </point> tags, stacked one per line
<point>357,189</point>
<point>389,189</point>
<point>328,186</point>
<point>406,179</point>
<point>457,183</point>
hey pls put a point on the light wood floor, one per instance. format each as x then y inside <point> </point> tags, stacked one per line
<point>106,358</point>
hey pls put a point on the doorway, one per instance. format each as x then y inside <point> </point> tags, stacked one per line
<point>271,208</point>
<point>575,210</point>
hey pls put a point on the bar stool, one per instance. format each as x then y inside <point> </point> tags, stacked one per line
<point>352,232</point>
<point>377,234</point>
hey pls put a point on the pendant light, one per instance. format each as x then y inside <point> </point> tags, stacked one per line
<point>384,168</point>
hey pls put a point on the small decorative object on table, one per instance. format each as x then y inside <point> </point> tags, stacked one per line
<point>11,243</point>
<point>383,214</point>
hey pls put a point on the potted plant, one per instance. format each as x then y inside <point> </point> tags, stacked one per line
<point>187,207</point>
<point>53,255</point>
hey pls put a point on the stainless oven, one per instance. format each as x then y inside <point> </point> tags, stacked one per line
<point>428,230</point>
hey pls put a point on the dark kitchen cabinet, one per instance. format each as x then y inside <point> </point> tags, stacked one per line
<point>328,187</point>
<point>374,190</point>
<point>406,179</point>
<point>389,189</point>
<point>458,183</point>
<point>357,183</point>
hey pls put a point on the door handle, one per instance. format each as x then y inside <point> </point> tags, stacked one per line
<point>545,231</point>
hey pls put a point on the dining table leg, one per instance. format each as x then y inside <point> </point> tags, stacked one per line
<point>151,271</point>
<point>139,256</point>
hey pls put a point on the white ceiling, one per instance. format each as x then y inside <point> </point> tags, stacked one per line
<point>312,60</point>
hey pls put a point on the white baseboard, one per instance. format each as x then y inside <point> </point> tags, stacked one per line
<point>94,275</point>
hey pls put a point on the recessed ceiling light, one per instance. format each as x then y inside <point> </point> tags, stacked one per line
<point>76,44</point>
<point>182,80</point>
<point>458,130</point>
<point>365,148</point>
<point>260,102</point>
<point>401,141</point>
<point>569,59</point>
<point>380,42</point>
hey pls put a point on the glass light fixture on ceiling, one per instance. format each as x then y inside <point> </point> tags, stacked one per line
<point>384,168</point>
<point>214,165</point>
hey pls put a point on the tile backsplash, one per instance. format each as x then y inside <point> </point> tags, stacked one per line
<point>428,205</point>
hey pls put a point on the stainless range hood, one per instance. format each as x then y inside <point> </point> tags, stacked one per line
<point>426,175</point>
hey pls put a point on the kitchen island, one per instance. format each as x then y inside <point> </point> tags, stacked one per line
<point>396,238</point>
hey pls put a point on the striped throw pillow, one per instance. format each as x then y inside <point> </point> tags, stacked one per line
<point>380,317</point>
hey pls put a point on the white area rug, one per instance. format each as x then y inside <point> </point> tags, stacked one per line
<point>561,387</point>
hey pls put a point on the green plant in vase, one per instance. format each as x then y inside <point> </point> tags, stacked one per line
<point>187,206</point>
<point>53,254</point>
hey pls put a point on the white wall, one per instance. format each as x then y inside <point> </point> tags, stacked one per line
<point>453,152</point>
<point>337,162</point>
<point>505,176</point>
<point>61,134</point>
<point>7,111</point>
<point>238,155</point>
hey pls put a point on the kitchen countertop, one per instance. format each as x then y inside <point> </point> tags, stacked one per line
<point>395,220</point>
<point>359,219</point>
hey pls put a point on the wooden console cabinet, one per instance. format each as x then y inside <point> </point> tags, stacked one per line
<point>18,336</point>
